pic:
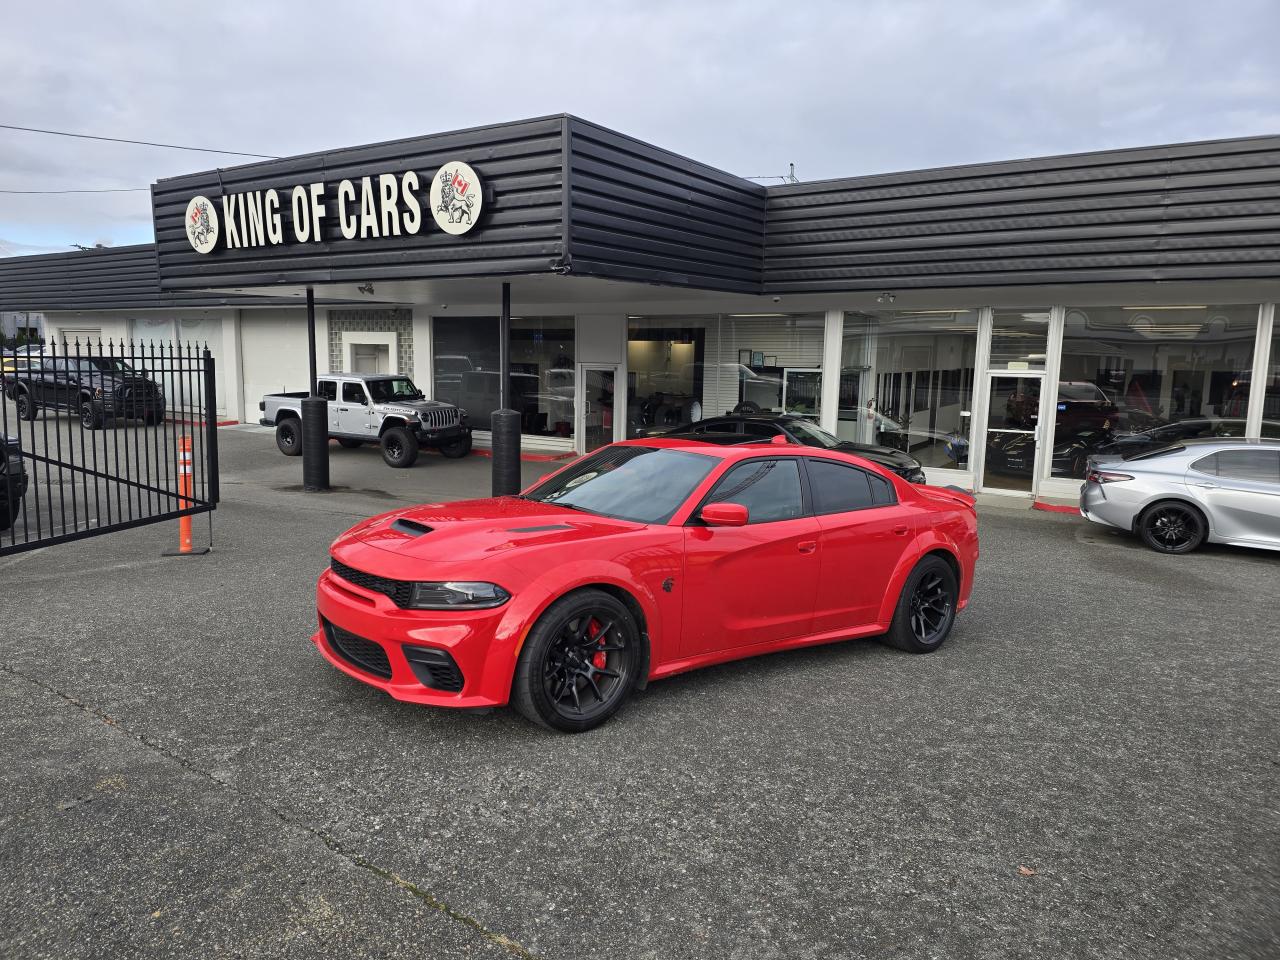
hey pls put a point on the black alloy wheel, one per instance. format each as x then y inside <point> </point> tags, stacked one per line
<point>1172,528</point>
<point>456,449</point>
<point>289,437</point>
<point>90,419</point>
<point>926,608</point>
<point>399,448</point>
<point>26,408</point>
<point>579,662</point>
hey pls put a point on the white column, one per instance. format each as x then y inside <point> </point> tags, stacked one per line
<point>1261,368</point>
<point>422,373</point>
<point>232,367</point>
<point>832,348</point>
<point>981,395</point>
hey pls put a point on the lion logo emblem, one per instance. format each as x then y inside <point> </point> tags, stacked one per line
<point>456,198</point>
<point>202,224</point>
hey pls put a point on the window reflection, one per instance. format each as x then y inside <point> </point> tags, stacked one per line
<point>906,381</point>
<point>1136,377</point>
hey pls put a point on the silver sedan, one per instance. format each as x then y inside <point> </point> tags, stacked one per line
<point>1177,497</point>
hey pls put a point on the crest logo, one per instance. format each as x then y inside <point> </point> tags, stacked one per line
<point>202,224</point>
<point>456,198</point>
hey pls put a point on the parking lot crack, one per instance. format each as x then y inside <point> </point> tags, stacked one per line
<point>355,859</point>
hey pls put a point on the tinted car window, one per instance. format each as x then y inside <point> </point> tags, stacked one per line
<point>881,490</point>
<point>328,389</point>
<point>644,484</point>
<point>352,393</point>
<point>769,489</point>
<point>837,488</point>
<point>1258,466</point>
<point>754,428</point>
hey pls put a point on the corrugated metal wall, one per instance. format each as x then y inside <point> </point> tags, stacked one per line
<point>521,229</point>
<point>1186,212</point>
<point>637,212</point>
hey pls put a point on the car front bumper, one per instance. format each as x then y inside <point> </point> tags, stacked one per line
<point>469,637</point>
<point>435,436</point>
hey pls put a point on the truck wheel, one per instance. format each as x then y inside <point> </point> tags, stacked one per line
<point>456,449</point>
<point>153,418</point>
<point>289,436</point>
<point>350,444</point>
<point>399,447</point>
<point>9,510</point>
<point>90,418</point>
<point>26,407</point>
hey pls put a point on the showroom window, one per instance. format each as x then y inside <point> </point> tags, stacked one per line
<point>465,370</point>
<point>906,381</point>
<point>683,369</point>
<point>1136,377</point>
<point>1271,398</point>
<point>1019,339</point>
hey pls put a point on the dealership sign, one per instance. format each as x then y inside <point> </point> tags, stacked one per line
<point>383,205</point>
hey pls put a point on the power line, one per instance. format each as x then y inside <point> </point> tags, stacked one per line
<point>141,143</point>
<point>104,190</point>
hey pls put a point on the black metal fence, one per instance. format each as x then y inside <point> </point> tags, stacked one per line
<point>95,435</point>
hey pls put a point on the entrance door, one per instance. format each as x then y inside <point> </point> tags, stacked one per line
<point>1013,433</point>
<point>370,358</point>
<point>596,422</point>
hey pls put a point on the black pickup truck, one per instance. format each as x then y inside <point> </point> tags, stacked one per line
<point>13,482</point>
<point>96,389</point>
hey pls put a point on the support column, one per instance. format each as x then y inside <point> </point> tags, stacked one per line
<point>315,417</point>
<point>1261,368</point>
<point>505,422</point>
<point>832,361</point>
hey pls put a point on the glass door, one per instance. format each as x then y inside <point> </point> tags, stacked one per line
<point>1012,433</point>
<point>596,422</point>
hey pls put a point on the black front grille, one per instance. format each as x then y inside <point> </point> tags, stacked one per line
<point>400,591</point>
<point>359,652</point>
<point>433,667</point>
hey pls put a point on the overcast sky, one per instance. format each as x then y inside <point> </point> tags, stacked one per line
<point>838,88</point>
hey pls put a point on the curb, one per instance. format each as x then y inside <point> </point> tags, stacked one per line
<point>1053,507</point>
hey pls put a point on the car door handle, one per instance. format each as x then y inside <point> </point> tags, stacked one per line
<point>807,546</point>
<point>901,530</point>
<point>1207,486</point>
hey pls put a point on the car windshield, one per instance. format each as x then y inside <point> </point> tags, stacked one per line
<point>643,484</point>
<point>105,364</point>
<point>811,435</point>
<point>393,388</point>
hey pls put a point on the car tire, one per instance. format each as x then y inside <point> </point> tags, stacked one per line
<point>153,419</point>
<point>399,448</point>
<point>456,449</point>
<point>350,444</point>
<point>289,436</point>
<point>552,657</point>
<point>27,408</point>
<point>1172,527</point>
<point>926,609</point>
<point>9,510</point>
<point>90,418</point>
<point>747,408</point>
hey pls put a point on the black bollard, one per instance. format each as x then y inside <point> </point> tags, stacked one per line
<point>506,453</point>
<point>315,445</point>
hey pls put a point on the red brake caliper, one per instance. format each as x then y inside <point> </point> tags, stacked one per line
<point>600,659</point>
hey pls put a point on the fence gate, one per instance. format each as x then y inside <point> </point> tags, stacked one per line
<point>93,435</point>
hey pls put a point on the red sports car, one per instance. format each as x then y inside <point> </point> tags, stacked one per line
<point>645,559</point>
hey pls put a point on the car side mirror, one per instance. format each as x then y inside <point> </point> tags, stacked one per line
<point>725,515</point>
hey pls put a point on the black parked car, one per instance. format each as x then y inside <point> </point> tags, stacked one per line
<point>13,482</point>
<point>759,428</point>
<point>96,389</point>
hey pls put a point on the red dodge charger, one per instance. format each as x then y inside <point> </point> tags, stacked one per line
<point>645,559</point>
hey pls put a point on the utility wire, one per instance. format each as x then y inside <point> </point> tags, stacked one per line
<point>105,190</point>
<point>141,143</point>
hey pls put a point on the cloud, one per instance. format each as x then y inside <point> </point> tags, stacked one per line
<point>839,88</point>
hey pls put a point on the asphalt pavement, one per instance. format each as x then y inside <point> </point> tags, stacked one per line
<point>1088,768</point>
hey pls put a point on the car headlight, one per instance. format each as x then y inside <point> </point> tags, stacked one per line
<point>457,595</point>
<point>97,393</point>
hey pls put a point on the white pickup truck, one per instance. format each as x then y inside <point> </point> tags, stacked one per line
<point>386,409</point>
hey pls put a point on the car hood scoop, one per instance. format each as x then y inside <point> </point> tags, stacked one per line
<point>474,529</point>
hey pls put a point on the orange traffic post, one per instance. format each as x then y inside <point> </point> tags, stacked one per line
<point>186,491</point>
